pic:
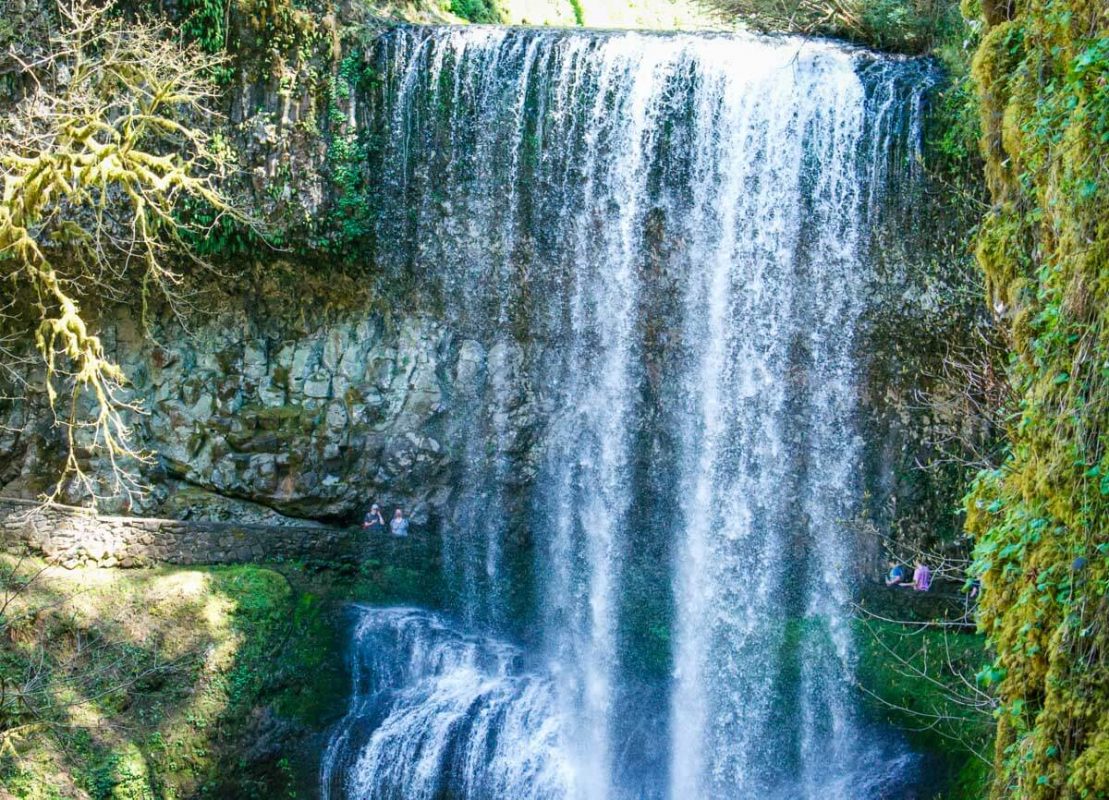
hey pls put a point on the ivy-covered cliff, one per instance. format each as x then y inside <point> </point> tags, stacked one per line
<point>1042,73</point>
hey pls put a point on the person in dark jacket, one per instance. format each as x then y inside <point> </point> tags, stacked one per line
<point>374,522</point>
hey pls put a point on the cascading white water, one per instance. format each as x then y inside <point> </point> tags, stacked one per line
<point>664,239</point>
<point>437,714</point>
<point>774,224</point>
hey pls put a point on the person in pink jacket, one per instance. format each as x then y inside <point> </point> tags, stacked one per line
<point>922,577</point>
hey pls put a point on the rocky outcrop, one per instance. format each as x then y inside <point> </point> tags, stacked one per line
<point>257,419</point>
<point>74,537</point>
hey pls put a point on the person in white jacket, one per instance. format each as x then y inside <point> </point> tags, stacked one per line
<point>399,525</point>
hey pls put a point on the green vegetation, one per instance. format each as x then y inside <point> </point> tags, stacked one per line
<point>485,11</point>
<point>205,22</point>
<point>349,221</point>
<point>1042,75</point>
<point>920,678</point>
<point>172,683</point>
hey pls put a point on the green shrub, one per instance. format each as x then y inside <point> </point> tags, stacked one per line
<point>481,11</point>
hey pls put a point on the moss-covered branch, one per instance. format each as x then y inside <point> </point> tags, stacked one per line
<point>96,159</point>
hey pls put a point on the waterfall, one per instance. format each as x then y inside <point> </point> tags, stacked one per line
<point>438,714</point>
<point>663,243</point>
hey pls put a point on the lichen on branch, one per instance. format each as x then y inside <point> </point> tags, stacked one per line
<point>107,142</point>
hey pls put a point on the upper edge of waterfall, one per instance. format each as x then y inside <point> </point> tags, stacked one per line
<point>737,34</point>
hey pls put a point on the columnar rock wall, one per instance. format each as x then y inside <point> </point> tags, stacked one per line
<point>76,536</point>
<point>262,420</point>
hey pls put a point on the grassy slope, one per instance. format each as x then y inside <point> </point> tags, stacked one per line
<point>172,683</point>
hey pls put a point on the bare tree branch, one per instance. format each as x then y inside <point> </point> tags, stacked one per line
<point>97,163</point>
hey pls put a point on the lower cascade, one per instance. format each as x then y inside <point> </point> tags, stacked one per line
<point>668,240</point>
<point>436,713</point>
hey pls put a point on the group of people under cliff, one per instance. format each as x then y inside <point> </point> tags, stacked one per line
<point>375,523</point>
<point>920,581</point>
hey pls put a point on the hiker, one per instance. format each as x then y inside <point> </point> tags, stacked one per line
<point>399,525</point>
<point>374,521</point>
<point>897,576</point>
<point>922,578</point>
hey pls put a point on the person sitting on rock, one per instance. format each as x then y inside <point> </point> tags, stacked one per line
<point>374,521</point>
<point>922,577</point>
<point>897,576</point>
<point>399,525</point>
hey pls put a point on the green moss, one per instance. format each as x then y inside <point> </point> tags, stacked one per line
<point>1042,75</point>
<point>312,703</point>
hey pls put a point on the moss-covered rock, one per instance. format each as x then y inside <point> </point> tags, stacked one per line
<point>1042,74</point>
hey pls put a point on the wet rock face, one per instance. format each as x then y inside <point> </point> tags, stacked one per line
<point>251,419</point>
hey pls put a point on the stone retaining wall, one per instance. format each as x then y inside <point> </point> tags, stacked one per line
<point>77,536</point>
